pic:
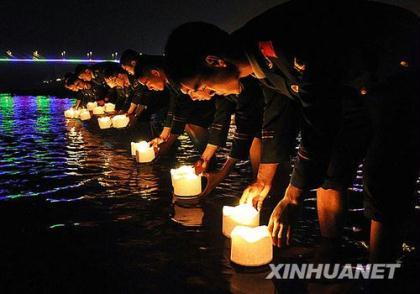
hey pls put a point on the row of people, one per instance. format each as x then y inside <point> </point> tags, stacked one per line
<point>342,74</point>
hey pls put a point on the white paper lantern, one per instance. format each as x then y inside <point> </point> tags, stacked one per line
<point>98,110</point>
<point>109,107</point>
<point>69,113</point>
<point>144,152</point>
<point>243,215</point>
<point>76,113</point>
<point>91,105</point>
<point>84,114</point>
<point>120,121</point>
<point>133,148</point>
<point>185,182</point>
<point>251,246</point>
<point>104,122</point>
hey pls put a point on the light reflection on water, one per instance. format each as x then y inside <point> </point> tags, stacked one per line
<point>76,196</point>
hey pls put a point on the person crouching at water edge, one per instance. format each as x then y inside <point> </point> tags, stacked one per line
<point>146,109</point>
<point>347,90</point>
<point>183,115</point>
<point>95,74</point>
<point>127,93</point>
<point>85,91</point>
<point>247,108</point>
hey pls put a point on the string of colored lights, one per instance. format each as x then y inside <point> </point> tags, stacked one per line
<point>56,60</point>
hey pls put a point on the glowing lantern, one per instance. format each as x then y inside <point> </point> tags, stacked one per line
<point>98,110</point>
<point>185,182</point>
<point>109,107</point>
<point>104,122</point>
<point>242,215</point>
<point>251,246</point>
<point>76,113</point>
<point>84,114</point>
<point>133,148</point>
<point>69,113</point>
<point>120,121</point>
<point>91,106</point>
<point>144,152</point>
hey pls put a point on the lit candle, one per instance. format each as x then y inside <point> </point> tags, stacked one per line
<point>104,122</point>
<point>185,182</point>
<point>251,246</point>
<point>69,113</point>
<point>91,105</point>
<point>98,110</point>
<point>144,152</point>
<point>243,215</point>
<point>84,114</point>
<point>120,121</point>
<point>109,107</point>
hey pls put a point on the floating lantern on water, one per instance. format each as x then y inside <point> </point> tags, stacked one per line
<point>134,148</point>
<point>104,122</point>
<point>84,114</point>
<point>251,246</point>
<point>76,113</point>
<point>69,113</point>
<point>120,121</point>
<point>242,215</point>
<point>109,107</point>
<point>144,152</point>
<point>91,106</point>
<point>98,110</point>
<point>185,182</point>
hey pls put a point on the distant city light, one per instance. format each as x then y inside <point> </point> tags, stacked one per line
<point>49,60</point>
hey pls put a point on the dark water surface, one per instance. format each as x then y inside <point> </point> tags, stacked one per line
<point>79,215</point>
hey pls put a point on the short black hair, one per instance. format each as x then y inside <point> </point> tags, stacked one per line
<point>70,79</point>
<point>189,44</point>
<point>80,68</point>
<point>145,63</point>
<point>113,71</point>
<point>128,55</point>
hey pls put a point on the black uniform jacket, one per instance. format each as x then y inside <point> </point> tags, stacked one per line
<point>306,52</point>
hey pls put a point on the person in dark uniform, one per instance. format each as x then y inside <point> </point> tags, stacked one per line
<point>323,59</point>
<point>127,98</point>
<point>247,107</point>
<point>85,91</point>
<point>183,114</point>
<point>133,99</point>
<point>95,74</point>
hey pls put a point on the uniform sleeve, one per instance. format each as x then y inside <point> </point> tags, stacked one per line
<point>248,119</point>
<point>170,114</point>
<point>111,95</point>
<point>218,130</point>
<point>280,127</point>
<point>139,96</point>
<point>319,128</point>
<point>180,114</point>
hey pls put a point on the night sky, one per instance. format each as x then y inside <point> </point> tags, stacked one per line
<point>104,27</point>
<point>107,26</point>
